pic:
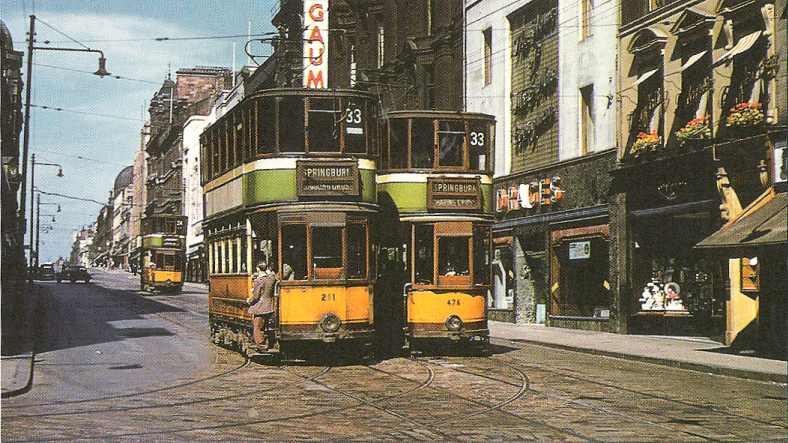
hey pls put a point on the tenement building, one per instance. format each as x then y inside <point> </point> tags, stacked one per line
<point>702,107</point>
<point>535,65</point>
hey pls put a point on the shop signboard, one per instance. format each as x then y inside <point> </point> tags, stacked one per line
<point>315,44</point>
<point>544,192</point>
<point>453,193</point>
<point>327,179</point>
<point>580,250</point>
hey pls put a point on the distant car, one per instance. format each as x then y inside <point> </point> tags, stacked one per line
<point>74,273</point>
<point>46,272</point>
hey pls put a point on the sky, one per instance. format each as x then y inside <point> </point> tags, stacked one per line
<point>93,149</point>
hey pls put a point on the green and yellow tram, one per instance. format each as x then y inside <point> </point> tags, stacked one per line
<point>435,193</point>
<point>289,179</point>
<point>163,253</point>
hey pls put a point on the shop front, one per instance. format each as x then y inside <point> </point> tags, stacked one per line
<point>553,246</point>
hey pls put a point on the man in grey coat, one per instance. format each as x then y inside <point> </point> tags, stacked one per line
<point>262,304</point>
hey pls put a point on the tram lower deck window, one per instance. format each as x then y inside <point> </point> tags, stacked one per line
<point>327,252</point>
<point>453,257</point>
<point>294,252</point>
<point>356,251</point>
<point>424,246</point>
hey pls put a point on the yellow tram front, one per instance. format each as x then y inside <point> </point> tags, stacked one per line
<point>163,252</point>
<point>435,193</point>
<point>289,180</point>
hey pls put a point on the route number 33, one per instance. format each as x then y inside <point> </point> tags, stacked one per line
<point>353,115</point>
<point>477,138</point>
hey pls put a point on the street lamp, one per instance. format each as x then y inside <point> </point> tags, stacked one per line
<point>101,72</point>
<point>33,164</point>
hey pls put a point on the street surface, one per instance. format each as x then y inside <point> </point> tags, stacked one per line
<point>115,364</point>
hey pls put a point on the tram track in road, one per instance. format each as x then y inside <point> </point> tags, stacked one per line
<point>572,398</point>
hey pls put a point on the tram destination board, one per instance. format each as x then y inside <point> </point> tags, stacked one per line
<point>452,193</point>
<point>327,179</point>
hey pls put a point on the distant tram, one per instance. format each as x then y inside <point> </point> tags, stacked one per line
<point>435,192</point>
<point>163,253</point>
<point>289,179</point>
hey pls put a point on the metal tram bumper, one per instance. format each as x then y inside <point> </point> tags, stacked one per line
<point>475,332</point>
<point>347,333</point>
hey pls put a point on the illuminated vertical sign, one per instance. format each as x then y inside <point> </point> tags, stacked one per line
<point>316,44</point>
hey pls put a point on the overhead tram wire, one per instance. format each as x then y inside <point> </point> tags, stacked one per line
<point>80,157</point>
<point>173,39</point>
<point>94,114</point>
<point>117,77</point>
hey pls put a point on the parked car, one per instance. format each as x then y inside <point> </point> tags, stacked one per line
<point>74,273</point>
<point>46,271</point>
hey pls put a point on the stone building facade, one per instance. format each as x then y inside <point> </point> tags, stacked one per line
<point>701,109</point>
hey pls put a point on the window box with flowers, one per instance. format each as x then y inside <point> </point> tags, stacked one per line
<point>646,145</point>
<point>694,132</point>
<point>745,117</point>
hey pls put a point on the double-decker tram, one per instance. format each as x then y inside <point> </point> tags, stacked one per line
<point>435,193</point>
<point>163,253</point>
<point>289,180</point>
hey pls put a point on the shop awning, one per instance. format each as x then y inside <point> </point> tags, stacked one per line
<point>645,76</point>
<point>741,46</point>
<point>764,223</point>
<point>693,59</point>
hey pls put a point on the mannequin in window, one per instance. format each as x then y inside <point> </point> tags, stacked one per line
<point>499,281</point>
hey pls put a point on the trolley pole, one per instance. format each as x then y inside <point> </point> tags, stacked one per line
<point>26,141</point>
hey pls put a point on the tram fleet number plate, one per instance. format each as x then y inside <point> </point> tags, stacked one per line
<point>320,178</point>
<point>453,193</point>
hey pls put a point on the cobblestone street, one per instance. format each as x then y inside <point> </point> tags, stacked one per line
<point>520,392</point>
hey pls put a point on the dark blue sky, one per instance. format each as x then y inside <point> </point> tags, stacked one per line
<point>110,140</point>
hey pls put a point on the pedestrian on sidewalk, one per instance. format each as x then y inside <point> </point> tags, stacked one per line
<point>262,304</point>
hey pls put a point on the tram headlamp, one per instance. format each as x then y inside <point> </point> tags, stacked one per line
<point>330,323</point>
<point>453,323</point>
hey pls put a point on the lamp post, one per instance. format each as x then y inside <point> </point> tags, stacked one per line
<point>101,72</point>
<point>33,164</point>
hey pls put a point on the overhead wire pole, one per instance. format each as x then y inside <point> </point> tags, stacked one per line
<point>26,136</point>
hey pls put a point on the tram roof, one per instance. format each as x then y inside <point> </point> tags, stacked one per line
<point>424,113</point>
<point>310,92</point>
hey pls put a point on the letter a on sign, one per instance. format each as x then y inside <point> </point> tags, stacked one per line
<point>316,44</point>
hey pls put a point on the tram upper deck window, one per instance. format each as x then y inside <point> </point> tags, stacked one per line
<point>423,142</point>
<point>324,125</point>
<point>265,108</point>
<point>424,246</point>
<point>453,257</point>
<point>291,124</point>
<point>355,116</point>
<point>398,143</point>
<point>356,251</point>
<point>215,154</point>
<point>451,142</point>
<point>327,252</point>
<point>478,144</point>
<point>294,252</point>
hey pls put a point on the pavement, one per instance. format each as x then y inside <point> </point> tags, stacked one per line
<point>693,353</point>
<point>17,362</point>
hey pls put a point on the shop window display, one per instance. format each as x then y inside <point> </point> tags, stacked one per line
<point>581,271</point>
<point>670,275</point>
<point>502,279</point>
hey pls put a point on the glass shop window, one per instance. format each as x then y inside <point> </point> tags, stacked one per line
<point>294,252</point>
<point>327,252</point>
<point>355,127</point>
<point>266,125</point>
<point>481,255</point>
<point>356,251</point>
<point>291,124</point>
<point>583,279</point>
<point>451,141</point>
<point>324,125</point>
<point>398,143</point>
<point>453,257</point>
<point>423,155</point>
<point>478,144</point>
<point>424,254</point>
